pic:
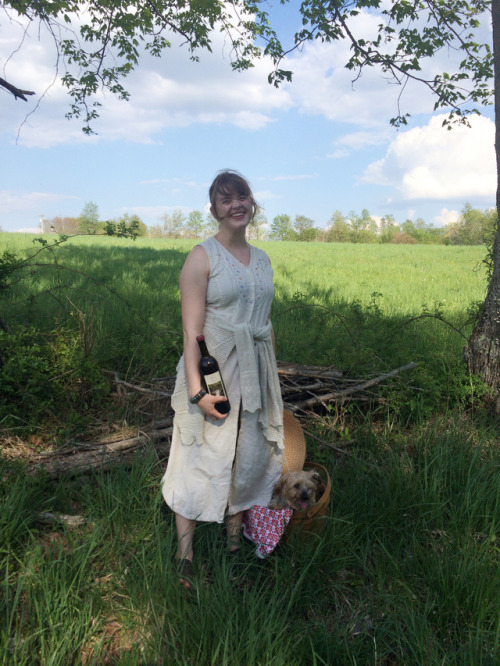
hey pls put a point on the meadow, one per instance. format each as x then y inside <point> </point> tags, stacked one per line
<point>407,571</point>
<point>364,307</point>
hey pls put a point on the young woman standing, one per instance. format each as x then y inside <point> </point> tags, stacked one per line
<point>220,465</point>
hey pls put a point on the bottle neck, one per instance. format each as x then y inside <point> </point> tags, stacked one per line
<point>203,346</point>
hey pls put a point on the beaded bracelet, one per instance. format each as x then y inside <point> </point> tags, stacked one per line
<point>196,398</point>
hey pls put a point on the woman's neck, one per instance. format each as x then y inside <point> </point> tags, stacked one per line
<point>231,239</point>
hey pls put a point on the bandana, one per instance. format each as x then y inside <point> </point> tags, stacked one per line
<point>265,527</point>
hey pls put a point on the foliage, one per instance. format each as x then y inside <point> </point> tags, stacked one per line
<point>89,218</point>
<point>282,228</point>
<point>127,226</point>
<point>173,224</point>
<point>99,44</point>
<point>48,366</point>
<point>475,227</point>
<point>408,34</point>
<point>47,375</point>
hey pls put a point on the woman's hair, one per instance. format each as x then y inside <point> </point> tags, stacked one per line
<point>229,181</point>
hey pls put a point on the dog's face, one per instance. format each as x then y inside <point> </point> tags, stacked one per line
<point>297,490</point>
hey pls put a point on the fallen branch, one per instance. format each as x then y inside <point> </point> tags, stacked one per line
<point>87,457</point>
<point>135,387</point>
<point>50,518</point>
<point>343,393</point>
<point>320,385</point>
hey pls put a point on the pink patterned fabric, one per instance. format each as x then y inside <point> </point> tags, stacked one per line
<point>265,527</point>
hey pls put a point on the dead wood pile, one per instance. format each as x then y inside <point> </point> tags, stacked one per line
<point>305,390</point>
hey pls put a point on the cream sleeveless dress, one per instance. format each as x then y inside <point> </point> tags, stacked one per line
<point>223,467</point>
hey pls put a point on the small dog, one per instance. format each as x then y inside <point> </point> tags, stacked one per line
<point>298,490</point>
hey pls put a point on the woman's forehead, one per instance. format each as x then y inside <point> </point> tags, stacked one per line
<point>228,190</point>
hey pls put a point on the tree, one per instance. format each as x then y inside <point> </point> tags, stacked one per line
<point>281,228</point>
<point>173,225</point>
<point>257,227</point>
<point>194,224</point>
<point>97,44</point>
<point>304,228</point>
<point>211,226</point>
<point>88,222</point>
<point>363,227</point>
<point>474,227</point>
<point>388,229</point>
<point>61,225</point>
<point>123,224</point>
<point>339,231</point>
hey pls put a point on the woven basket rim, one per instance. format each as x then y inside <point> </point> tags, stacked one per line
<point>294,454</point>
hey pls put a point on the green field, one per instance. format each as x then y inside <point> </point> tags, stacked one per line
<point>407,571</point>
<point>327,298</point>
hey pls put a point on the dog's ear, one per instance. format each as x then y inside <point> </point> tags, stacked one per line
<point>278,488</point>
<point>316,477</point>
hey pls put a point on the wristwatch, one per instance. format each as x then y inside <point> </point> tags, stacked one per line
<point>196,398</point>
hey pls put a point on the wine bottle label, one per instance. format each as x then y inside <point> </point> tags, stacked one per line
<point>214,384</point>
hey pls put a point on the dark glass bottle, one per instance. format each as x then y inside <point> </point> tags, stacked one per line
<point>211,377</point>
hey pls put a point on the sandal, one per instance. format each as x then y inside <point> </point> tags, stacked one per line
<point>185,571</point>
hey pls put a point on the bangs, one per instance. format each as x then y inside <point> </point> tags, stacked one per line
<point>229,183</point>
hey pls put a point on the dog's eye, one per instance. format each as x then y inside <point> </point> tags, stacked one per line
<point>297,485</point>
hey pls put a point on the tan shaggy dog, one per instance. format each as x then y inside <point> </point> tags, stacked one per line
<point>297,490</point>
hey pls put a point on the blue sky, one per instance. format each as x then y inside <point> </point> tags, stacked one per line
<point>318,145</point>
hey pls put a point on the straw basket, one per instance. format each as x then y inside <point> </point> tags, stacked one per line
<point>294,454</point>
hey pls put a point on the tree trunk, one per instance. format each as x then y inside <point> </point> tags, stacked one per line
<point>483,350</point>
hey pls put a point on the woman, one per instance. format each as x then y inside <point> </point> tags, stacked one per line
<point>220,465</point>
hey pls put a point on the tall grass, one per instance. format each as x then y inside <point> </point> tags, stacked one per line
<point>107,303</point>
<point>406,572</point>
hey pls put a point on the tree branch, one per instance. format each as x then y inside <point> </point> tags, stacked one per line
<point>17,92</point>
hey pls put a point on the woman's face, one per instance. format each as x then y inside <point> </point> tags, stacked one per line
<point>232,209</point>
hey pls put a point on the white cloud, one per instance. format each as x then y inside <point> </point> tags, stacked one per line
<point>359,140</point>
<point>166,92</point>
<point>323,86</point>
<point>431,163</point>
<point>11,202</point>
<point>446,217</point>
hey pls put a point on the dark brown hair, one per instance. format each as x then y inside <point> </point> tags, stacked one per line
<point>229,181</point>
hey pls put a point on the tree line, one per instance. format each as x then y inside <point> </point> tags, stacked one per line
<point>474,227</point>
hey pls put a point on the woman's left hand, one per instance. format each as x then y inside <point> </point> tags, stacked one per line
<point>207,406</point>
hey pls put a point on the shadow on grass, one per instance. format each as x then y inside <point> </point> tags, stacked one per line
<point>406,571</point>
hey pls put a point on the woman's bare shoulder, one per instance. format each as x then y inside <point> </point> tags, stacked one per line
<point>196,262</point>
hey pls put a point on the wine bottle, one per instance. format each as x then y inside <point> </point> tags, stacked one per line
<point>211,377</point>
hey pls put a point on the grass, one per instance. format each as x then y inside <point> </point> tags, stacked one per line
<point>112,303</point>
<point>407,571</point>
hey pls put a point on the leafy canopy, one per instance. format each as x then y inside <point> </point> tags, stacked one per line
<point>99,43</point>
<point>409,32</point>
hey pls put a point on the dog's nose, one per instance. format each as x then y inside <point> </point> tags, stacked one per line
<point>304,495</point>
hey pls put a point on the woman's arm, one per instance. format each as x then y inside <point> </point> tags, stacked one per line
<point>193,285</point>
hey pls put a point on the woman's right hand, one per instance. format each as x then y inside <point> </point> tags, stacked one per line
<point>207,406</point>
